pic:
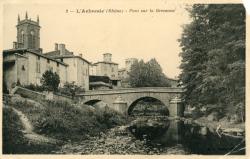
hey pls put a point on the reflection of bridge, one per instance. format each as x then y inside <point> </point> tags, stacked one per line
<point>124,100</point>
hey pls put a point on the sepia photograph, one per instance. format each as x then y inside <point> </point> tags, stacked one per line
<point>124,78</point>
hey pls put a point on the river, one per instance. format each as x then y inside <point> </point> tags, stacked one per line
<point>149,136</point>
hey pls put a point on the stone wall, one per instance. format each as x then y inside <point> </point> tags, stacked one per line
<point>38,95</point>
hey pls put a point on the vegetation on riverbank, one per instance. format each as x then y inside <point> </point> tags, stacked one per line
<point>13,138</point>
<point>213,59</point>
<point>66,121</point>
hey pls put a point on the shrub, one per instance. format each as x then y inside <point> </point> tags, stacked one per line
<point>5,89</point>
<point>71,89</point>
<point>108,118</point>
<point>72,122</point>
<point>50,80</point>
<point>66,121</point>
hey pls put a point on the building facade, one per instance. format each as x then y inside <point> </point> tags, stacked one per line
<point>107,67</point>
<point>25,63</point>
<point>26,67</point>
<point>78,67</point>
<point>123,73</point>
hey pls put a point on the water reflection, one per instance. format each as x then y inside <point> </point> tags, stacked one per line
<point>193,139</point>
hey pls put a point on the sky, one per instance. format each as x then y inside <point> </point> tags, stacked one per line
<point>125,35</point>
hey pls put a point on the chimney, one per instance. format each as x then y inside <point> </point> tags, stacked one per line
<point>62,49</point>
<point>80,55</point>
<point>107,57</point>
<point>56,46</point>
<point>14,45</point>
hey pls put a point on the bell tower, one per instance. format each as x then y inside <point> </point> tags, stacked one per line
<point>28,33</point>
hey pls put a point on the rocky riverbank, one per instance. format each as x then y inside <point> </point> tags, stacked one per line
<point>117,140</point>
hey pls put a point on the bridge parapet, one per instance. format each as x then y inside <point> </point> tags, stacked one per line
<point>134,90</point>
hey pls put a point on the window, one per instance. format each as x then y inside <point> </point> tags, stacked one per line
<point>48,61</point>
<point>61,60</point>
<point>23,68</point>
<point>38,69</point>
<point>112,69</point>
<point>31,39</point>
<point>22,37</point>
<point>38,57</point>
<point>57,64</point>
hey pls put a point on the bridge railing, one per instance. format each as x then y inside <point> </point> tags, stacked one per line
<point>135,90</point>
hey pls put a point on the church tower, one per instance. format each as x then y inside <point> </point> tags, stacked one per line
<point>28,34</point>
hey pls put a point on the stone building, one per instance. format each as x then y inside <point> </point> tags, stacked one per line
<point>78,67</point>
<point>92,69</point>
<point>25,63</point>
<point>107,68</point>
<point>123,73</point>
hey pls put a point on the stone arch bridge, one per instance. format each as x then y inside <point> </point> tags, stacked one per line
<point>121,100</point>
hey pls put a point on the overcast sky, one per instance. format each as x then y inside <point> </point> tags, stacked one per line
<point>137,35</point>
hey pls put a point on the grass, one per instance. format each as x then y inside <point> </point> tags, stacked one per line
<point>65,121</point>
<point>14,141</point>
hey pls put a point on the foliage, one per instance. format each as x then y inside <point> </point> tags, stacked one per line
<point>50,81</point>
<point>108,118</point>
<point>213,56</point>
<point>13,139</point>
<point>71,89</point>
<point>73,122</point>
<point>147,74</point>
<point>5,89</point>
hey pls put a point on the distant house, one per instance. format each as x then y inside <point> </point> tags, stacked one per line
<point>107,68</point>
<point>123,73</point>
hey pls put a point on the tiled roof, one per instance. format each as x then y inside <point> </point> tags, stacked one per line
<point>33,52</point>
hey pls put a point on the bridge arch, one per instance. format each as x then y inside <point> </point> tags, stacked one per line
<point>151,99</point>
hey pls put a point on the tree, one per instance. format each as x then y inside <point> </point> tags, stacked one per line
<point>147,74</point>
<point>50,81</point>
<point>213,56</point>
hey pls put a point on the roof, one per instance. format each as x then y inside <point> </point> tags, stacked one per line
<point>52,53</point>
<point>71,56</point>
<point>22,50</point>
<point>106,62</point>
<point>56,55</point>
<point>28,21</point>
<point>99,84</point>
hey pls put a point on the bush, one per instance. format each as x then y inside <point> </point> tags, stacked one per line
<point>5,89</point>
<point>108,118</point>
<point>70,89</point>
<point>71,122</point>
<point>50,80</point>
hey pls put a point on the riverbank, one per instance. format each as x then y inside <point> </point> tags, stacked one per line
<point>117,140</point>
<point>234,129</point>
